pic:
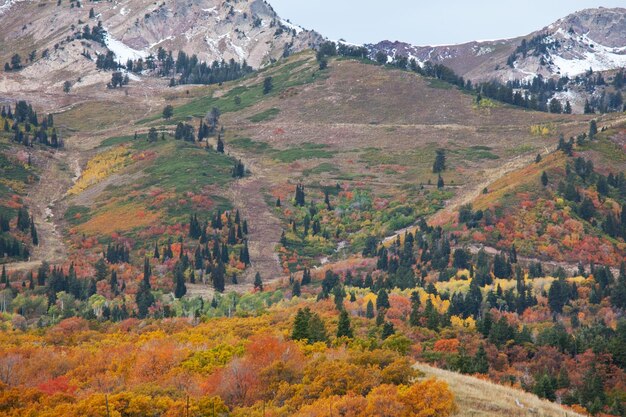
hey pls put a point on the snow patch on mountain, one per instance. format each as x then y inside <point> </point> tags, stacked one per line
<point>122,51</point>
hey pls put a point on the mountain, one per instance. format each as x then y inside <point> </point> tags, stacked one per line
<point>50,37</point>
<point>589,39</point>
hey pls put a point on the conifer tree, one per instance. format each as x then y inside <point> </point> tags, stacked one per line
<point>440,161</point>
<point>180,289</point>
<point>296,291</point>
<point>369,311</point>
<point>33,233</point>
<point>343,327</point>
<point>301,324</point>
<point>258,282</point>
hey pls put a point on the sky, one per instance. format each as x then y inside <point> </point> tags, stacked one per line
<point>428,23</point>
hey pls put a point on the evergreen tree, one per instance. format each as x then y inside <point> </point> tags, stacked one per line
<point>343,327</point>
<point>382,300</point>
<point>258,282</point>
<point>440,182</point>
<point>440,161</point>
<point>33,233</point>
<point>102,270</point>
<point>317,329</point>
<point>593,129</point>
<point>388,330</point>
<point>220,144</point>
<point>168,112</point>
<point>481,364</point>
<point>180,289</point>
<point>268,85</point>
<point>306,276</point>
<point>296,290</point>
<point>144,297</point>
<point>369,312</point>
<point>300,329</point>
<point>544,178</point>
<point>5,277</point>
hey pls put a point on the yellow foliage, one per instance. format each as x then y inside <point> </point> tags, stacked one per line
<point>100,167</point>
<point>540,130</point>
<point>460,323</point>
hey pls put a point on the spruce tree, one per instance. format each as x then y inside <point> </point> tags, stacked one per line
<point>388,330</point>
<point>296,290</point>
<point>481,364</point>
<point>343,327</point>
<point>258,282</point>
<point>301,324</point>
<point>369,311</point>
<point>33,233</point>
<point>440,161</point>
<point>180,289</point>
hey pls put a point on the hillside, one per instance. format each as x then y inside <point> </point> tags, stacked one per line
<point>319,234</point>
<point>477,397</point>
<point>55,47</point>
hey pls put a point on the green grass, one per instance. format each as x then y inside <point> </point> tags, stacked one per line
<point>268,114</point>
<point>476,153</point>
<point>442,85</point>
<point>322,168</point>
<point>250,145</point>
<point>284,76</point>
<point>186,167</point>
<point>306,151</point>
<point>608,149</point>
<point>76,215</point>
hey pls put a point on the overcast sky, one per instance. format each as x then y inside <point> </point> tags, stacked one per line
<point>428,23</point>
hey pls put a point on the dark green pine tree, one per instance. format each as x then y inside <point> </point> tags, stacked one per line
<point>258,282</point>
<point>268,85</point>
<point>544,179</point>
<point>440,161</point>
<point>481,364</point>
<point>414,317</point>
<point>220,144</point>
<point>301,324</point>
<point>382,299</point>
<point>156,254</point>
<point>244,255</point>
<point>144,297</point>
<point>5,276</point>
<point>219,277</point>
<point>113,283</point>
<point>388,330</point>
<point>306,276</point>
<point>296,291</point>
<point>102,269</point>
<point>300,195</point>
<point>369,311</point>
<point>317,329</point>
<point>440,182</point>
<point>23,219</point>
<point>343,327</point>
<point>180,289</point>
<point>33,233</point>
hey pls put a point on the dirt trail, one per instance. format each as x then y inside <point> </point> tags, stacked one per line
<point>264,229</point>
<point>42,202</point>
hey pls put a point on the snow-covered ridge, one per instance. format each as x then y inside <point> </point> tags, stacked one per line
<point>7,5</point>
<point>291,26</point>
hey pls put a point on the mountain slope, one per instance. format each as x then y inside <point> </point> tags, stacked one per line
<point>213,30</point>
<point>592,38</point>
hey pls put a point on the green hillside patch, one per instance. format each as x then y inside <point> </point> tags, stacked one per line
<point>268,114</point>
<point>305,151</point>
<point>476,153</point>
<point>322,168</point>
<point>284,76</point>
